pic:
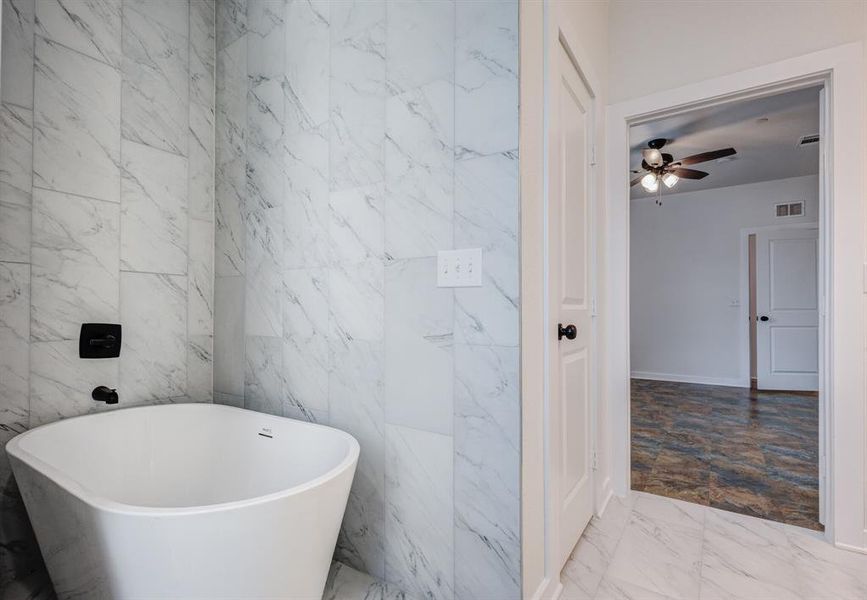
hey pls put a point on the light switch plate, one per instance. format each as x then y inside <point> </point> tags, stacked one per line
<point>459,268</point>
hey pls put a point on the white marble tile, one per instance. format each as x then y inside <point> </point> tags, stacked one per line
<point>231,21</point>
<point>822,570</point>
<point>355,229</point>
<point>263,305</point>
<point>229,335</point>
<point>228,399</point>
<point>486,216</point>
<point>420,43</point>
<point>659,508</point>
<point>612,589</point>
<point>590,559</point>
<point>263,380</point>
<point>265,38</point>
<point>419,350</point>
<point>487,472</point>
<point>75,264</point>
<point>306,203</point>
<point>264,145</point>
<point>153,309</point>
<point>419,168</point>
<point>345,583</point>
<point>16,77</point>
<point>61,383</point>
<point>200,368</point>
<point>76,142</point>
<point>746,558</point>
<point>356,406</point>
<point>419,541</point>
<point>659,556</point>
<point>201,278</point>
<point>230,229</point>
<point>15,215</point>
<point>357,93</point>
<point>486,77</point>
<point>91,27</point>
<point>155,73</point>
<point>153,217</point>
<point>16,146</point>
<point>201,173</point>
<point>14,346</point>
<point>202,52</point>
<point>305,338</point>
<point>308,52</point>
<point>231,102</point>
<point>355,295</point>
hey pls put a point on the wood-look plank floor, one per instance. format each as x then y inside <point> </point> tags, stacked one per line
<point>751,452</point>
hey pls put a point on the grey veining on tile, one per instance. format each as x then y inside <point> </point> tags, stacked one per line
<point>201,175</point>
<point>263,307</point>
<point>200,368</point>
<point>154,314</point>
<point>486,216</point>
<point>357,93</point>
<point>231,21</point>
<point>355,229</point>
<point>419,349</point>
<point>61,383</point>
<point>265,40</point>
<point>76,119</point>
<point>202,53</point>
<point>356,406</point>
<point>305,338</point>
<point>14,224</point>
<point>307,63</point>
<point>201,278</point>
<point>229,362</point>
<point>14,339</point>
<point>419,541</point>
<point>229,222</point>
<point>75,264</point>
<point>486,75</point>
<point>419,162</point>
<point>153,218</point>
<point>420,43</point>
<point>16,76</point>
<point>264,145</point>
<point>487,419</point>
<point>263,380</point>
<point>306,200</point>
<point>356,300</point>
<point>231,102</point>
<point>91,27</point>
<point>155,73</point>
<point>16,147</point>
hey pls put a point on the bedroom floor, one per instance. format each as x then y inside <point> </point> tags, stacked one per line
<point>736,449</point>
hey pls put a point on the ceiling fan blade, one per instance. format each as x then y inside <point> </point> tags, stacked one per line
<point>689,173</point>
<point>635,180</point>
<point>705,156</point>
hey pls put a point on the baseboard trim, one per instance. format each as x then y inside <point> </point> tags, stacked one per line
<point>723,381</point>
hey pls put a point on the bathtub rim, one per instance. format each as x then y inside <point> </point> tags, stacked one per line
<point>100,502</point>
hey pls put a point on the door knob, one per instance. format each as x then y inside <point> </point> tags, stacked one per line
<point>764,318</point>
<point>569,332</point>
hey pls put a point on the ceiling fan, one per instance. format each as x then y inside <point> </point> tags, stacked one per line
<point>661,166</point>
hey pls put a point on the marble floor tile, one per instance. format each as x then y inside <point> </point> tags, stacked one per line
<point>345,583</point>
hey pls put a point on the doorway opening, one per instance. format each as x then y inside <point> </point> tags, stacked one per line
<point>726,302</point>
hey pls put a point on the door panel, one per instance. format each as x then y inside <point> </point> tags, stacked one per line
<point>787,342</point>
<point>569,253</point>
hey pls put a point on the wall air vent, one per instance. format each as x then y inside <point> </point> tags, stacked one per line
<point>789,209</point>
<point>808,140</point>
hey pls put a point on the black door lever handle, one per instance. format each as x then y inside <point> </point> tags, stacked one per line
<point>569,332</point>
<point>764,318</point>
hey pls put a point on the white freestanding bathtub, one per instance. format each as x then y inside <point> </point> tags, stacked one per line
<point>185,501</point>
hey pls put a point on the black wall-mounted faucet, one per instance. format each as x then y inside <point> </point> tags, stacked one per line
<point>99,340</point>
<point>104,394</point>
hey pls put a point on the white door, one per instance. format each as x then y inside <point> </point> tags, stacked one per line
<point>787,305</point>
<point>569,292</point>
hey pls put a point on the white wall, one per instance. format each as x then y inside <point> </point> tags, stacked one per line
<point>685,277</point>
<point>709,38</point>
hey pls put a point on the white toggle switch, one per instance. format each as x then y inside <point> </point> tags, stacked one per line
<point>459,268</point>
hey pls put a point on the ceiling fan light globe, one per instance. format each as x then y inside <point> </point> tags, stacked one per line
<point>670,180</point>
<point>649,182</point>
<point>653,157</point>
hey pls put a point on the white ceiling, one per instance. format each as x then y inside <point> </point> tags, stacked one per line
<point>766,150</point>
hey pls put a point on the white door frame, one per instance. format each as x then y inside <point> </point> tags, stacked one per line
<point>840,70</point>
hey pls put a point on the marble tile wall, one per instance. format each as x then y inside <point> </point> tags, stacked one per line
<point>107,150</point>
<point>355,139</point>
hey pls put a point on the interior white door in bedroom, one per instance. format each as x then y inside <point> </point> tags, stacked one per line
<point>570,335</point>
<point>787,306</point>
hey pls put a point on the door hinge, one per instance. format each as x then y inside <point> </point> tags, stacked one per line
<point>593,307</point>
<point>595,461</point>
<point>593,155</point>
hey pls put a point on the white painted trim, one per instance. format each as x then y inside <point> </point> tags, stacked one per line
<point>724,381</point>
<point>841,70</point>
